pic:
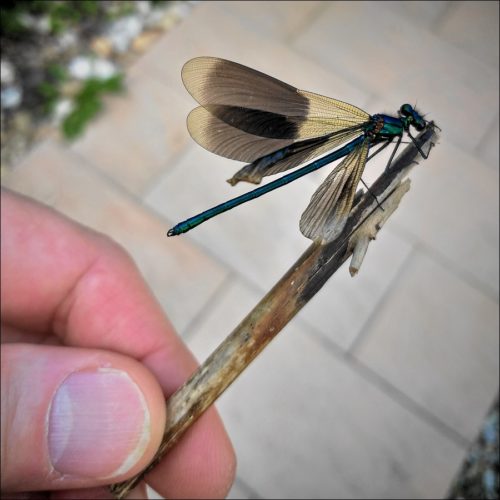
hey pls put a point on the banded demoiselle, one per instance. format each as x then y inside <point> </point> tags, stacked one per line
<point>249,116</point>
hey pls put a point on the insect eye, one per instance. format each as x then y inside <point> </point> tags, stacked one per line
<point>420,125</point>
<point>406,110</point>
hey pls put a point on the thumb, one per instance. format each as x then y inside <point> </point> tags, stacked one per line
<point>75,418</point>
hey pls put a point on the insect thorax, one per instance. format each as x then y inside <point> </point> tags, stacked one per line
<point>385,127</point>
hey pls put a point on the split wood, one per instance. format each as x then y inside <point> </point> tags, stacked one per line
<point>282,303</point>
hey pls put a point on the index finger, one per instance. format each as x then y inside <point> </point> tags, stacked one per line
<point>59,277</point>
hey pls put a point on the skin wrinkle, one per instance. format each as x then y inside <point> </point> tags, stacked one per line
<point>61,322</point>
<point>62,311</point>
<point>67,307</point>
<point>26,231</point>
<point>101,245</point>
<point>152,352</point>
<point>163,351</point>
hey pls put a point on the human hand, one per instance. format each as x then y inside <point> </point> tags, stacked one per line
<point>87,360</point>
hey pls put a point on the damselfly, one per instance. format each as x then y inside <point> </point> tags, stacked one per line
<point>249,116</point>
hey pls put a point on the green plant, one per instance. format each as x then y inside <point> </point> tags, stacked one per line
<point>49,89</point>
<point>10,22</point>
<point>88,103</point>
<point>61,14</point>
<point>65,14</point>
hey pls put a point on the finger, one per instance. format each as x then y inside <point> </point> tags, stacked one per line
<point>75,418</point>
<point>100,493</point>
<point>9,334</point>
<point>89,293</point>
<point>197,466</point>
<point>60,278</point>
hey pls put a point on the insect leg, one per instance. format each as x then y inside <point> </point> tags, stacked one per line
<point>424,156</point>
<point>394,152</point>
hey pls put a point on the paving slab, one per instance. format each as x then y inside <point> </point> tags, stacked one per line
<point>182,278</point>
<point>436,327</point>
<point>307,424</point>
<point>378,50</point>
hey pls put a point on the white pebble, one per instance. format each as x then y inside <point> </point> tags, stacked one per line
<point>123,31</point>
<point>7,72</point>
<point>103,69</point>
<point>62,109</point>
<point>80,67</point>
<point>11,97</point>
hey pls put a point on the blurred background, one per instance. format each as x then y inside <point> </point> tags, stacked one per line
<point>381,385</point>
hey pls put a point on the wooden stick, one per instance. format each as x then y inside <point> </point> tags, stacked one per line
<point>282,303</point>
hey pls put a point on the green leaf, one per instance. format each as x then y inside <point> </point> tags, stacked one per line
<point>88,103</point>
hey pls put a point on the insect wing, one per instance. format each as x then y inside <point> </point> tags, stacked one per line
<point>293,156</point>
<point>220,138</point>
<point>327,212</point>
<point>261,105</point>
